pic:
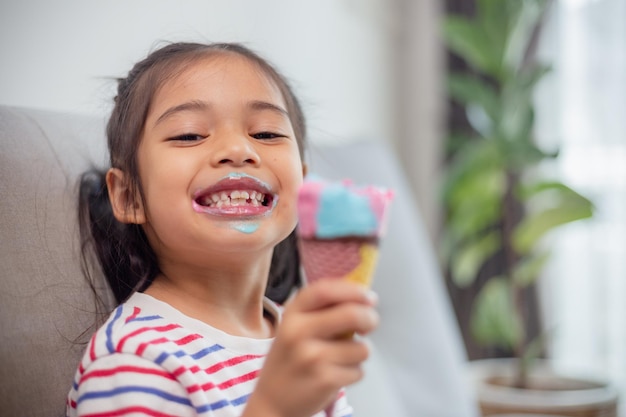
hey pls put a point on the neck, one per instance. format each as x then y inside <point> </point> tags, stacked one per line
<point>226,295</point>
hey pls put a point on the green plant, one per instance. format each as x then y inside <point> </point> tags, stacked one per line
<point>497,202</point>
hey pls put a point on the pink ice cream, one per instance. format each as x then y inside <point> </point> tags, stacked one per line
<point>329,210</point>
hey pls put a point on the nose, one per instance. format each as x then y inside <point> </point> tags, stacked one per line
<point>234,149</point>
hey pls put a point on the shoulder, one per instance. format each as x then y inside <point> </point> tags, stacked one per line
<point>131,327</point>
<point>135,359</point>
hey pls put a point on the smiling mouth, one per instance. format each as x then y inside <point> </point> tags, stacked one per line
<point>235,198</point>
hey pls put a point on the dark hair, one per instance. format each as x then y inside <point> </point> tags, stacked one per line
<point>123,252</point>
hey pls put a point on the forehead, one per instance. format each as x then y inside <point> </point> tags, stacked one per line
<point>222,75</point>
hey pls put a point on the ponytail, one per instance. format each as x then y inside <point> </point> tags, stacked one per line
<point>122,250</point>
<point>284,274</point>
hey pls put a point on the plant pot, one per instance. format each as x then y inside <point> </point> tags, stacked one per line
<point>549,393</point>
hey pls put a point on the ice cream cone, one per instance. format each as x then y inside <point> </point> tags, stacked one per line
<point>352,259</point>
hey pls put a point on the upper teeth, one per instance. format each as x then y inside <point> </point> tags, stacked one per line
<point>232,198</point>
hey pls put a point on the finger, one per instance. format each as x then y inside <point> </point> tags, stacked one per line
<point>340,320</point>
<point>348,352</point>
<point>335,322</point>
<point>328,292</point>
<point>345,375</point>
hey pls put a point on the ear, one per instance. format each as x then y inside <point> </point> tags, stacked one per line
<point>127,207</point>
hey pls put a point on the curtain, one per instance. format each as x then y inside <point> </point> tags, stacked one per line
<point>581,108</point>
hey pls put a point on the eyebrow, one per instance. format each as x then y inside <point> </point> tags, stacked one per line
<point>264,105</point>
<point>199,105</point>
<point>194,105</point>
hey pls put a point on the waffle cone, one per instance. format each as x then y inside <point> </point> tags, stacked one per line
<point>353,259</point>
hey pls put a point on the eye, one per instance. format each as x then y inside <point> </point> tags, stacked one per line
<point>267,135</point>
<point>187,137</point>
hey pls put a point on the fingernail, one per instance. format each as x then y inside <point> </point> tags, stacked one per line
<point>372,297</point>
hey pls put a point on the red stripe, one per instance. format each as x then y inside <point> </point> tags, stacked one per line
<point>136,312</point>
<point>182,369</point>
<point>204,387</point>
<point>123,340</point>
<point>144,345</point>
<point>187,339</point>
<point>179,371</point>
<point>231,362</point>
<point>226,384</point>
<point>193,388</point>
<point>207,386</point>
<point>238,380</point>
<point>92,347</point>
<point>130,410</point>
<point>120,369</point>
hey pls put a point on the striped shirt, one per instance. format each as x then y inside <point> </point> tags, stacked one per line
<point>149,359</point>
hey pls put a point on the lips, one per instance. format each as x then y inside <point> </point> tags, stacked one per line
<point>235,195</point>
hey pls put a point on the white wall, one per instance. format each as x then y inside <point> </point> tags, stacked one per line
<point>63,54</point>
<point>363,69</point>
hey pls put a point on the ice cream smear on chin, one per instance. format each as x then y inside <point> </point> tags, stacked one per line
<point>245,227</point>
<point>339,228</point>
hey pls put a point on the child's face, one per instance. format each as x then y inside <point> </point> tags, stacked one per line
<point>219,164</point>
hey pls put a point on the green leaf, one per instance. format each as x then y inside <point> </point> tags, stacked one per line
<point>495,320</point>
<point>472,192</point>
<point>554,189</point>
<point>480,187</point>
<point>456,141</point>
<point>497,17</point>
<point>527,270</point>
<point>473,218</point>
<point>528,79</point>
<point>536,225</point>
<point>469,89</point>
<point>470,41</point>
<point>526,19</point>
<point>471,160</point>
<point>467,262</point>
<point>475,204</point>
<point>517,120</point>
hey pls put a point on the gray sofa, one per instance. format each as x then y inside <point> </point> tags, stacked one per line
<point>47,308</point>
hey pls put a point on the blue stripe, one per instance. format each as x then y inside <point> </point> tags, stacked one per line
<point>146,318</point>
<point>241,400</point>
<point>129,389</point>
<point>212,407</point>
<point>161,358</point>
<point>222,403</point>
<point>180,353</point>
<point>202,353</point>
<point>109,330</point>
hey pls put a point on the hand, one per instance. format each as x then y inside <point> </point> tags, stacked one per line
<point>311,359</point>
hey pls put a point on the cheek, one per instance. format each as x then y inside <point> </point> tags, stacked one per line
<point>165,188</point>
<point>292,187</point>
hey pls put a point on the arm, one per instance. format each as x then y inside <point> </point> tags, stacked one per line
<point>310,361</point>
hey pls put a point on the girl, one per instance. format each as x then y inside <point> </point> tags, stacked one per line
<point>192,224</point>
